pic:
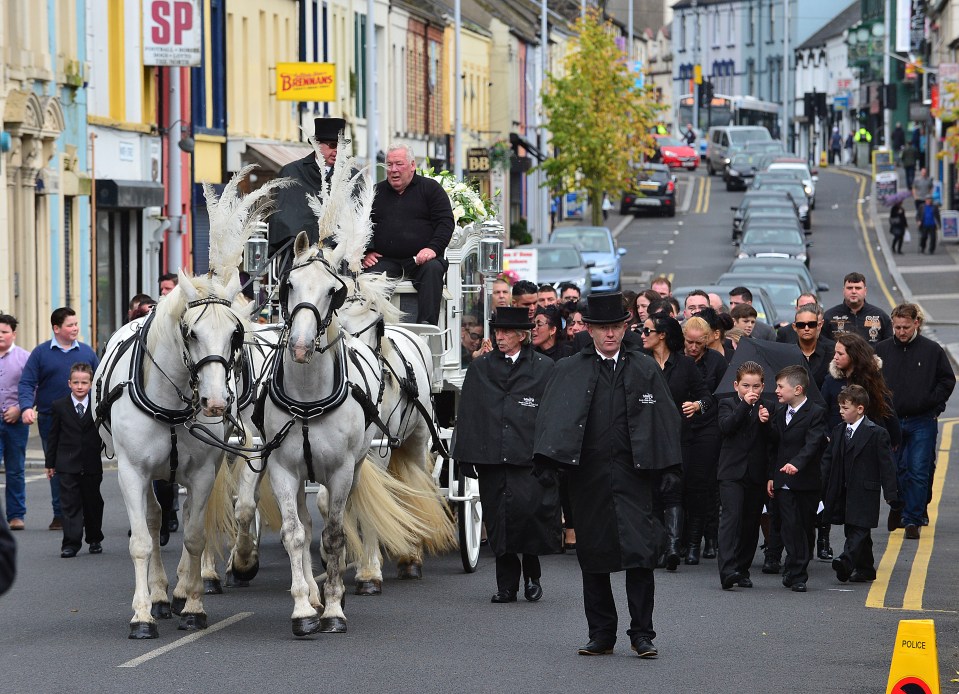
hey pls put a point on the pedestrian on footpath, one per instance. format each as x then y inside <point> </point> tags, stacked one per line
<point>835,146</point>
<point>918,372</point>
<point>607,415</point>
<point>45,378</point>
<point>897,227</point>
<point>922,188</point>
<point>13,432</point>
<point>856,463</point>
<point>855,315</point>
<point>908,158</point>
<point>929,226</point>
<point>73,455</point>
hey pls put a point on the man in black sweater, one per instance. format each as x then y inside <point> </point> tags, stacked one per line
<point>918,372</point>
<point>855,315</point>
<point>412,225</point>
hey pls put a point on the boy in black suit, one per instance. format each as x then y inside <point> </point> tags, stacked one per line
<point>73,451</point>
<point>857,461</point>
<point>743,459</point>
<point>799,434</point>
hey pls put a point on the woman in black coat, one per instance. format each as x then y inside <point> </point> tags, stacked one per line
<point>897,227</point>
<point>548,336</point>
<point>663,339</point>
<point>495,426</point>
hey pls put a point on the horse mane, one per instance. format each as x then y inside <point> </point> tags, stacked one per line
<point>172,309</point>
<point>376,289</point>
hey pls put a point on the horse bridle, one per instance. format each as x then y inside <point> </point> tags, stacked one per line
<point>236,346</point>
<point>337,300</point>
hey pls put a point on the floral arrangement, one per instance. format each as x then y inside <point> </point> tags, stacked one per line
<point>468,205</point>
<point>510,276</point>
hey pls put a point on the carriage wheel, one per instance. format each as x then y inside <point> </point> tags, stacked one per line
<point>470,522</point>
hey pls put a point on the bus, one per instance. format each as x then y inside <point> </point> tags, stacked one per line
<point>730,110</point>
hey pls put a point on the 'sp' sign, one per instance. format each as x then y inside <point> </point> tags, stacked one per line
<point>172,32</point>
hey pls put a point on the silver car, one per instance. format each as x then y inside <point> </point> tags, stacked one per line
<point>556,262</point>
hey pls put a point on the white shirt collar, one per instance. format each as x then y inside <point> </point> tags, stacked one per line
<point>85,402</point>
<point>855,425</point>
<point>56,345</point>
<point>513,357</point>
<point>795,408</point>
<point>615,357</point>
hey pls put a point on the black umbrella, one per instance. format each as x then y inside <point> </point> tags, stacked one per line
<point>772,356</point>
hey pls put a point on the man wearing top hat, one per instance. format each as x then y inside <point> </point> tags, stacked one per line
<point>607,415</point>
<point>494,441</point>
<point>311,173</point>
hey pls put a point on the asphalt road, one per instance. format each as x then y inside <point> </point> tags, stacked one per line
<point>63,626</point>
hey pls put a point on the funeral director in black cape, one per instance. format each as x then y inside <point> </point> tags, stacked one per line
<point>494,433</point>
<point>608,416</point>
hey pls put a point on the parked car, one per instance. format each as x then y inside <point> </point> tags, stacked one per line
<point>739,173</point>
<point>762,302</point>
<point>780,266</point>
<point>761,200</point>
<point>801,170</point>
<point>773,242</point>
<point>600,252</point>
<point>722,138</point>
<point>782,289</point>
<point>655,190</point>
<point>675,153</point>
<point>561,262</point>
<point>793,187</point>
<point>765,146</point>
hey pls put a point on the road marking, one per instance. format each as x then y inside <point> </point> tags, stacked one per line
<point>865,235</point>
<point>622,225</point>
<point>688,195</point>
<point>877,591</point>
<point>934,297</point>
<point>709,191</point>
<point>929,268</point>
<point>699,198</point>
<point>196,635</point>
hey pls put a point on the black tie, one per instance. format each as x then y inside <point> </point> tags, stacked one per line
<point>80,409</point>
<point>849,431</point>
<point>610,364</point>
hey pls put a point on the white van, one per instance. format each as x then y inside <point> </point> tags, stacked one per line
<point>722,137</point>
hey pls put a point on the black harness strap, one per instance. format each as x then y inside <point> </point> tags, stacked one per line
<point>409,386</point>
<point>308,450</point>
<point>174,456</point>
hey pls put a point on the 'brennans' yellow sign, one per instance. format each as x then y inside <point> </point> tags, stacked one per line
<point>306,81</point>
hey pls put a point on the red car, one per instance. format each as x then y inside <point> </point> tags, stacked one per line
<point>675,153</point>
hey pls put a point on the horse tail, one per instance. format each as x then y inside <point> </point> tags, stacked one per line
<point>377,503</point>
<point>219,523</point>
<point>408,464</point>
<point>267,505</point>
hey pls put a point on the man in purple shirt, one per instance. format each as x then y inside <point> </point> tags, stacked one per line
<point>13,432</point>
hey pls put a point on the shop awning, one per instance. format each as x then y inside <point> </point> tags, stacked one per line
<point>129,194</point>
<point>275,156</point>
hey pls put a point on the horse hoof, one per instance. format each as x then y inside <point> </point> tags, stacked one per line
<point>192,621</point>
<point>177,605</point>
<point>409,572</point>
<point>332,625</point>
<point>372,587</point>
<point>246,574</point>
<point>304,626</point>
<point>160,610</point>
<point>144,630</point>
<point>211,586</point>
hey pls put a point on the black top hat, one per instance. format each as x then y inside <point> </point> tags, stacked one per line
<point>606,308</point>
<point>328,129</point>
<point>511,318</point>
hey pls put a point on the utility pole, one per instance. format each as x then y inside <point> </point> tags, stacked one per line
<point>174,246</point>
<point>541,198</point>
<point>629,46</point>
<point>696,85</point>
<point>886,76</point>
<point>371,121</point>
<point>458,85</point>
<point>784,135</point>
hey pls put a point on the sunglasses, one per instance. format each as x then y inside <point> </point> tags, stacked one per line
<point>648,331</point>
<point>475,336</point>
<point>806,324</point>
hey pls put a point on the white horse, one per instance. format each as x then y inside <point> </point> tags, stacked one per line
<point>316,392</point>
<point>158,375</point>
<point>406,410</point>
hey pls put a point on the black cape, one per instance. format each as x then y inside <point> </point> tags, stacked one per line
<point>611,495</point>
<point>293,213</point>
<point>495,423</point>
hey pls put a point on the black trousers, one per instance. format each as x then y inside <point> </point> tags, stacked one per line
<point>927,235</point>
<point>600,607</point>
<point>742,502</point>
<point>774,541</point>
<point>568,522</point>
<point>798,511</point>
<point>508,568</point>
<point>82,508</point>
<point>427,278</point>
<point>857,552</point>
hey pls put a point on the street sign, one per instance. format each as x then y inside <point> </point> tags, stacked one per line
<point>948,74</point>
<point>698,74</point>
<point>172,33</point>
<point>477,160</point>
<point>306,82</point>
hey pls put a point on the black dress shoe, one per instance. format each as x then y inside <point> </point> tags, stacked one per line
<point>731,580</point>
<point>174,523</point>
<point>772,566</point>
<point>504,596</point>
<point>842,571</point>
<point>798,587</point>
<point>894,520</point>
<point>859,576</point>
<point>644,648</point>
<point>68,553</point>
<point>596,648</point>
<point>164,537</point>
<point>533,591</point>
<point>823,550</point>
<point>96,548</point>
<point>745,582</point>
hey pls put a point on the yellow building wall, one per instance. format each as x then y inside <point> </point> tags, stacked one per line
<point>260,33</point>
<point>476,50</point>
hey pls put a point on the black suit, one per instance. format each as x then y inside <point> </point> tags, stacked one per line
<point>73,449</point>
<point>743,460</point>
<point>799,443</point>
<point>853,470</point>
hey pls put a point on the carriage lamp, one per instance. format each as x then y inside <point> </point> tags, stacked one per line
<point>491,248</point>
<point>257,250</point>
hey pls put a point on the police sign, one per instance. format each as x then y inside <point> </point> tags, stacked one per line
<point>172,32</point>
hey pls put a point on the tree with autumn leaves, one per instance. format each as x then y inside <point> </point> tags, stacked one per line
<point>599,122</point>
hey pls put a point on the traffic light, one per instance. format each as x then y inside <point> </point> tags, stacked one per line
<point>706,92</point>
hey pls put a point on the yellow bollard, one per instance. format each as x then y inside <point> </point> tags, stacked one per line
<point>823,159</point>
<point>915,660</point>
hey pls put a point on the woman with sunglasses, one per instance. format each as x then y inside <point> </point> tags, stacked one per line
<point>548,333</point>
<point>663,340</point>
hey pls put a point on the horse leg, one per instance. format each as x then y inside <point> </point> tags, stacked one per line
<point>136,491</point>
<point>245,557</point>
<point>339,485</point>
<point>303,513</point>
<point>211,579</point>
<point>369,573</point>
<point>410,567</point>
<point>159,584</point>
<point>286,485</point>
<point>323,506</point>
<point>189,586</point>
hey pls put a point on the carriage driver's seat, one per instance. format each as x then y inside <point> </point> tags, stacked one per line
<point>436,336</point>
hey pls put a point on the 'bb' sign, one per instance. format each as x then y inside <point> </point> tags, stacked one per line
<point>172,32</point>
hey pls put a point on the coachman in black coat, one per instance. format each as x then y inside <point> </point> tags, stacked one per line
<point>73,450</point>
<point>495,425</point>
<point>853,470</point>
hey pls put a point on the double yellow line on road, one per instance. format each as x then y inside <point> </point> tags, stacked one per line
<point>702,198</point>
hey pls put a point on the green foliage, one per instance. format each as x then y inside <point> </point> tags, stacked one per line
<point>598,121</point>
<point>518,233</point>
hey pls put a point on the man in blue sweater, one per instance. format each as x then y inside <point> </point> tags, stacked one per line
<point>45,378</point>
